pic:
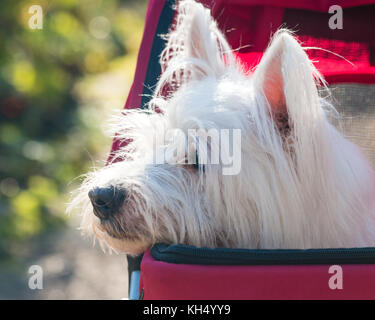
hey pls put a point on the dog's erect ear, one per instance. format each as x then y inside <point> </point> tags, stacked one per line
<point>287,77</point>
<point>196,48</point>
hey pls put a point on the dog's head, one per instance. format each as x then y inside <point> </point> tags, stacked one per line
<point>215,142</point>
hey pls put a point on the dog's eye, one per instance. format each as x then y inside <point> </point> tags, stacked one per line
<point>196,164</point>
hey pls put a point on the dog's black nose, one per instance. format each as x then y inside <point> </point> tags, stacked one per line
<point>106,201</point>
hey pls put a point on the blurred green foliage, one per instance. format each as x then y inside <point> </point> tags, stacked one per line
<point>56,85</point>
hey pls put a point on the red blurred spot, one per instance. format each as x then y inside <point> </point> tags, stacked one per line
<point>12,107</point>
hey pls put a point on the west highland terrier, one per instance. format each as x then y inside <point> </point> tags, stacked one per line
<point>249,159</point>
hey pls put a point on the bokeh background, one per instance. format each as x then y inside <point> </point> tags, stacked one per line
<point>58,85</point>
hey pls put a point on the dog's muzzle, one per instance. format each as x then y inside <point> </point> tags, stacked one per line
<point>106,201</point>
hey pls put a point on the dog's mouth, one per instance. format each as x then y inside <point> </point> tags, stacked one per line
<point>115,230</point>
<point>112,228</point>
<point>104,226</point>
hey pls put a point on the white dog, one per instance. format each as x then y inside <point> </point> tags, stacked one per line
<point>301,184</point>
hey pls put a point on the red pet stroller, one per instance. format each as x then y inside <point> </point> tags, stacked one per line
<point>184,272</point>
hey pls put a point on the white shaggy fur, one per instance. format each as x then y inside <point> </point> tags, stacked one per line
<point>301,184</point>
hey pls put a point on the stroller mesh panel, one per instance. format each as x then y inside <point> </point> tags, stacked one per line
<point>356,106</point>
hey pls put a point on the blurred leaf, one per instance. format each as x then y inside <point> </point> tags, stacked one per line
<point>27,219</point>
<point>58,86</point>
<point>23,76</point>
<point>43,188</point>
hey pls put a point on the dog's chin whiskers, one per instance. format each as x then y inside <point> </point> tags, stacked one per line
<point>115,236</point>
<point>112,229</point>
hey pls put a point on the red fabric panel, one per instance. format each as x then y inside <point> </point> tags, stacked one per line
<point>166,281</point>
<point>315,5</point>
<point>355,42</point>
<point>248,30</point>
<point>334,71</point>
<point>154,10</point>
<point>152,17</point>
